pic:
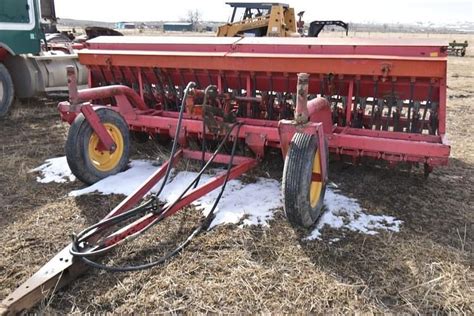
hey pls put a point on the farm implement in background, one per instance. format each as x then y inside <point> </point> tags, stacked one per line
<point>308,97</point>
<point>457,49</point>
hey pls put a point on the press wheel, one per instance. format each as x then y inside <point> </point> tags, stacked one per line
<point>303,185</point>
<point>86,158</point>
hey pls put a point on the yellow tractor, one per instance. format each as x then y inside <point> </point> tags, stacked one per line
<point>270,19</point>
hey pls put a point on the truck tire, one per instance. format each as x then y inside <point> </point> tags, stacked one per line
<point>302,194</point>
<point>7,90</point>
<point>86,161</point>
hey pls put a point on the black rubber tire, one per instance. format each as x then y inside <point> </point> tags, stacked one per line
<point>296,181</point>
<point>77,143</point>
<point>6,100</point>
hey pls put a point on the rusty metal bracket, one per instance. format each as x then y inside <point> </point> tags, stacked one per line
<point>256,143</point>
<point>91,116</point>
<point>58,272</point>
<point>182,135</point>
<point>288,128</point>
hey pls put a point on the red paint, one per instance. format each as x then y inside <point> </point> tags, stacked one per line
<point>320,112</point>
<point>272,64</point>
<point>106,142</point>
<point>341,46</point>
<point>187,199</point>
<point>253,67</point>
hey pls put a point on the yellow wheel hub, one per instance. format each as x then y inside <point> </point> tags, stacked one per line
<point>103,160</point>
<point>316,186</point>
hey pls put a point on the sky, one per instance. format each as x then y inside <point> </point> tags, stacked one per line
<point>403,11</point>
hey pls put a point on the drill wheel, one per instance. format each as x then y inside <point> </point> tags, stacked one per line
<point>303,185</point>
<point>87,161</point>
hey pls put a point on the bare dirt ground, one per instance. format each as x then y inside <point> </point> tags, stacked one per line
<point>425,268</point>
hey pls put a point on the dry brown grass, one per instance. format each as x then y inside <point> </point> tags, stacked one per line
<point>425,268</point>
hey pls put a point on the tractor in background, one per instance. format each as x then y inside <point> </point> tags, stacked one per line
<point>457,49</point>
<point>270,19</point>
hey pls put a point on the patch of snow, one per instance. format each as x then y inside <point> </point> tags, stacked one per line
<point>344,212</point>
<point>332,185</point>
<point>54,170</point>
<point>249,204</point>
<point>121,183</point>
<point>254,202</point>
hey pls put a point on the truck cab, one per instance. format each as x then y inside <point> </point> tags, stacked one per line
<point>20,30</point>
<point>27,67</point>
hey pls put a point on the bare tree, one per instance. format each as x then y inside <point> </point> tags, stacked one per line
<point>194,17</point>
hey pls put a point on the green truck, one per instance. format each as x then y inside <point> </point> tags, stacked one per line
<point>29,67</point>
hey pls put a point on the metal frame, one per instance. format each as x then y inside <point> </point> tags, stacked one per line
<point>63,268</point>
<point>120,79</point>
<point>260,64</point>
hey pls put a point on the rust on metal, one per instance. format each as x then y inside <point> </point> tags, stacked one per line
<point>367,98</point>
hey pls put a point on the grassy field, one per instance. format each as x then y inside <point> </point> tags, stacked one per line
<point>425,268</point>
